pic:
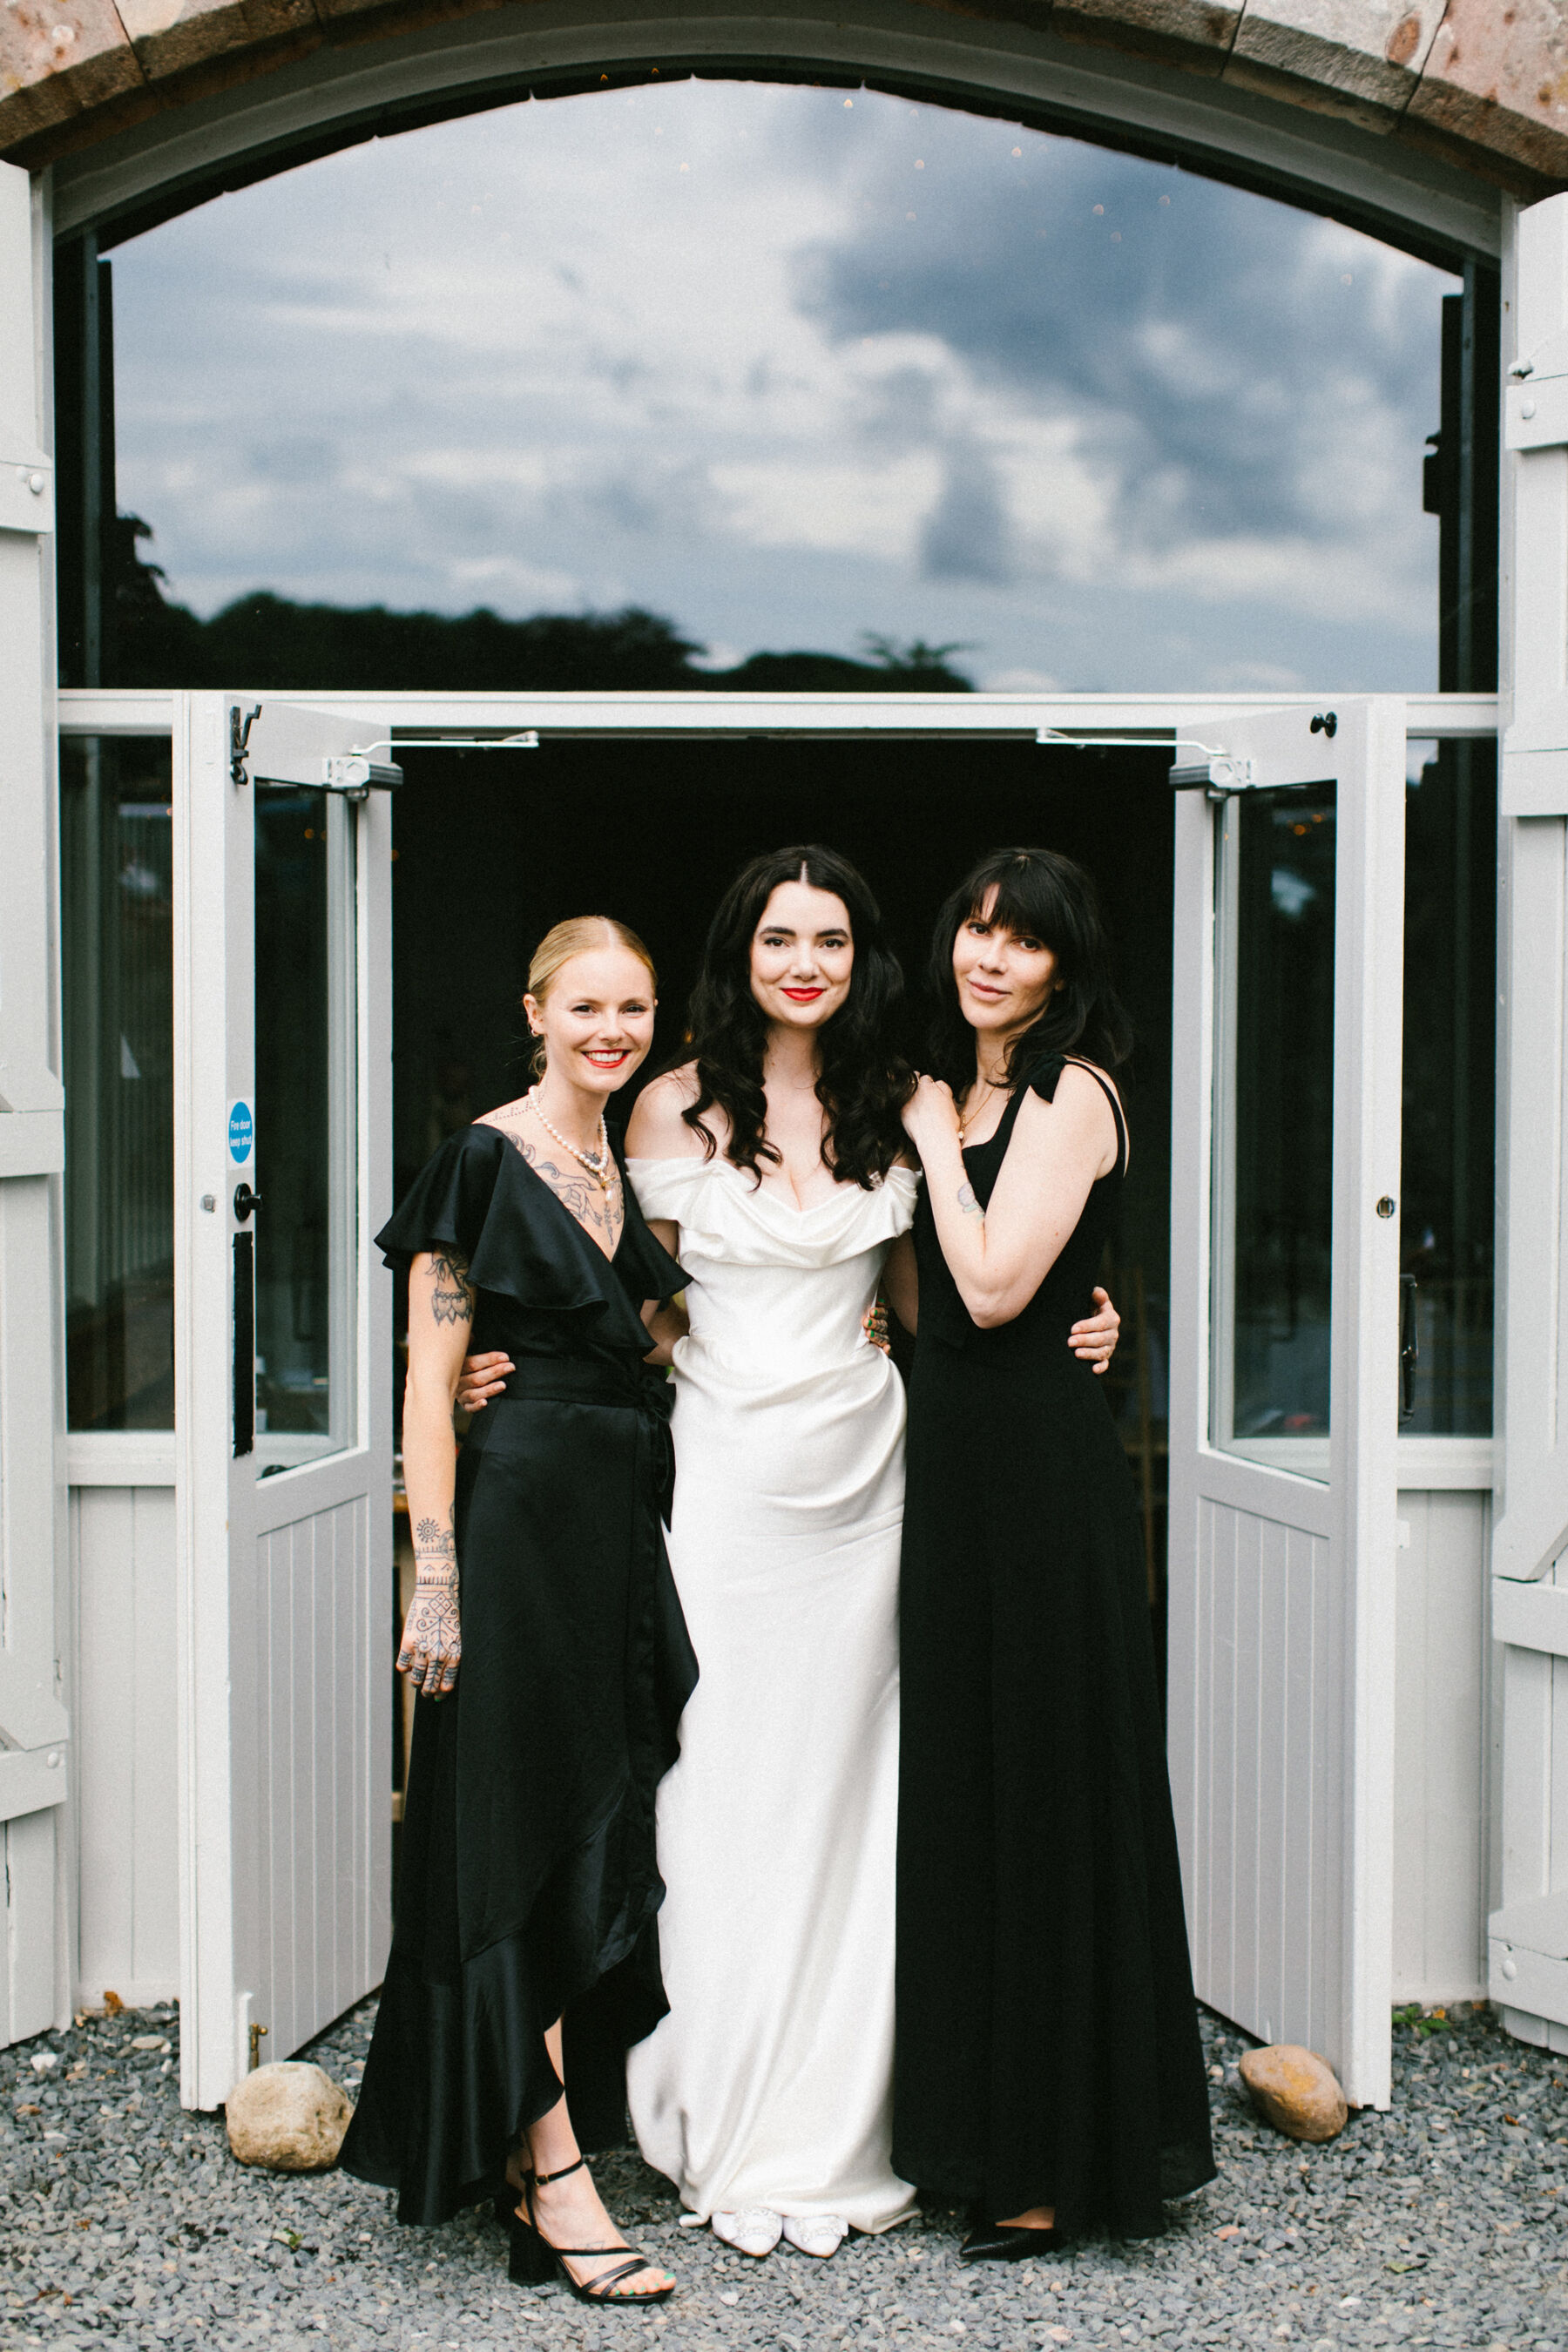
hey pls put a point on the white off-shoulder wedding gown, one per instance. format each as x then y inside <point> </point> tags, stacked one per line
<point>769,2081</point>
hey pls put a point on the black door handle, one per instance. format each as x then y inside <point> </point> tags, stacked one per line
<point>1409,1346</point>
<point>245,1200</point>
<point>244,1344</point>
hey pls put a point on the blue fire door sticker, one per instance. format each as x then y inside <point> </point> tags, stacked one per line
<point>241,1132</point>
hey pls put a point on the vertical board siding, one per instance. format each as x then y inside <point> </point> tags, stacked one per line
<point>1266,1929</point>
<point>316,1762</point>
<point>29,1964</point>
<point>127,1749</point>
<point>1441,1735</point>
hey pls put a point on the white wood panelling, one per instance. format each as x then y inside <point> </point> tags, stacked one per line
<point>1531,1525</point>
<point>1441,1719</point>
<point>121,1457</point>
<point>322,1749</point>
<point>122,1558</point>
<point>35,1880</point>
<point>1267,1929</point>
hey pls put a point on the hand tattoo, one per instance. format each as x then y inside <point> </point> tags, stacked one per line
<point>432,1635</point>
<point>434,1542</point>
<point>452,1293</point>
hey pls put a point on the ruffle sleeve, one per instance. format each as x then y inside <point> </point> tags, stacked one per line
<point>668,1188</point>
<point>479,1196</point>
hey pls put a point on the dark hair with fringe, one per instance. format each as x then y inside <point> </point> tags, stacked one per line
<point>864,1082</point>
<point>1044,896</point>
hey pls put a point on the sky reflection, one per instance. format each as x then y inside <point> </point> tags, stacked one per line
<point>791,367</point>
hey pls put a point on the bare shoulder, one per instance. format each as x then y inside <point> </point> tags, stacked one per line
<point>657,1130</point>
<point>1079,1107</point>
<point>508,1116</point>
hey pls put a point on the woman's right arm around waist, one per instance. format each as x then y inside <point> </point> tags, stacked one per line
<point>440,1322</point>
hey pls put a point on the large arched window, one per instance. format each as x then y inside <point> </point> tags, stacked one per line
<point>787,369</point>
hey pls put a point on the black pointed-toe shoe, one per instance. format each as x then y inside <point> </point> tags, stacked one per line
<point>993,2241</point>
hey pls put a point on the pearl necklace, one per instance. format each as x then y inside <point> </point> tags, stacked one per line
<point>599,1164</point>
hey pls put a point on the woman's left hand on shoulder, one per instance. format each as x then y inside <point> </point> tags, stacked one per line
<point>930,1110</point>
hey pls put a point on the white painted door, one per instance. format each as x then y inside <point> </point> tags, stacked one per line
<point>1528,1973</point>
<point>34,1754</point>
<point>1284,1370</point>
<point>282,869</point>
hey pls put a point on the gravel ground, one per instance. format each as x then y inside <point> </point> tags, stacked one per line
<point>124,2222</point>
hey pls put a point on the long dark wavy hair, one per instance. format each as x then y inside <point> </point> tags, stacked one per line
<point>1044,896</point>
<point>865,1081</point>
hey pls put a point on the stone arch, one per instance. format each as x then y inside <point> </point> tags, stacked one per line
<point>1405,108</point>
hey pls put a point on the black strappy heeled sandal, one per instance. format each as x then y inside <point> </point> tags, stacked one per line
<point>531,2258</point>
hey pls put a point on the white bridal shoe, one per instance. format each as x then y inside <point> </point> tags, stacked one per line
<point>820,2234</point>
<point>753,2232</point>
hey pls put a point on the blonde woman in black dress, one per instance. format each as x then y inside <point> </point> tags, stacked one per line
<point>547,1646</point>
<point>1048,2073</point>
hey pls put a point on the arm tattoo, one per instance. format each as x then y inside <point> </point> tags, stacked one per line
<point>452,1293</point>
<point>435,1556</point>
<point>967,1201</point>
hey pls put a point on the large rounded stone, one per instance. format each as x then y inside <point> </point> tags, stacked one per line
<point>1296,2091</point>
<point>290,2116</point>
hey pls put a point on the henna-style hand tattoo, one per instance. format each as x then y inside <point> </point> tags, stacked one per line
<point>433,1541</point>
<point>432,1637</point>
<point>452,1296</point>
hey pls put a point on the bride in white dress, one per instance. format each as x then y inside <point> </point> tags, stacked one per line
<point>765,2094</point>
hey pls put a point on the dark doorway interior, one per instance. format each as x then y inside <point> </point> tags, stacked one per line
<point>493,848</point>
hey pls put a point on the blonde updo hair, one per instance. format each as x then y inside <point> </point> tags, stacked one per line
<point>580,935</point>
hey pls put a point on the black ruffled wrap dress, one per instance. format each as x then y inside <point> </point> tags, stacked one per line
<point>529,1886</point>
<point>1047,2040</point>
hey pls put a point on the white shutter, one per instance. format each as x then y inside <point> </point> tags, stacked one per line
<point>34,1758</point>
<point>1529,1970</point>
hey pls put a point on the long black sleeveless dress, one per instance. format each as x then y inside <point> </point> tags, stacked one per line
<point>529,1889</point>
<point>1047,2048</point>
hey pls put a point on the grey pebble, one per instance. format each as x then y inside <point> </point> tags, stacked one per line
<point>124,2222</point>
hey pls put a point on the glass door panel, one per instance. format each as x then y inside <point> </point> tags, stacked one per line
<point>1274,1201</point>
<point>305,1126</point>
<point>116,908</point>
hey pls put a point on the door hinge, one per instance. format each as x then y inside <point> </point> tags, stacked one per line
<point>1219,775</point>
<point>356,777</point>
<point>238,740</point>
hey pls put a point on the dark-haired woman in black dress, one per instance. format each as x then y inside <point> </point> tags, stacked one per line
<point>1048,2071</point>
<point>526,1953</point>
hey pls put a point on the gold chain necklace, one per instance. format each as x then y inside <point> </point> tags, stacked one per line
<point>966,1120</point>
